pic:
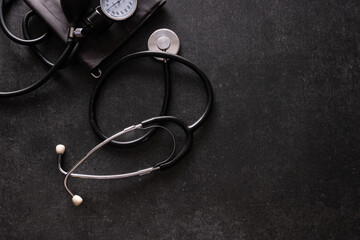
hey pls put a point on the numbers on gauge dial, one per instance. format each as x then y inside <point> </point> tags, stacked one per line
<point>118,9</point>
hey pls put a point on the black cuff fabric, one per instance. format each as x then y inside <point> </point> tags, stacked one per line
<point>96,47</point>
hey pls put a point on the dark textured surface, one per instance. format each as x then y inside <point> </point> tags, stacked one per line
<point>278,158</point>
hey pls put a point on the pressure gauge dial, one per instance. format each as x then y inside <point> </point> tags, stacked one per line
<point>118,10</point>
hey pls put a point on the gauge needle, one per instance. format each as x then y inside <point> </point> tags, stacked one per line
<point>118,1</point>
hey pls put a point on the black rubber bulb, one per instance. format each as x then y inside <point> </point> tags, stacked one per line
<point>74,10</point>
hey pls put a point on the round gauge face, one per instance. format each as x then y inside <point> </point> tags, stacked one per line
<point>118,9</point>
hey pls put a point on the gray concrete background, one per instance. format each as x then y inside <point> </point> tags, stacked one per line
<point>277,159</point>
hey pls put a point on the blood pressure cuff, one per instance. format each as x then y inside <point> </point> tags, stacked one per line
<point>96,47</point>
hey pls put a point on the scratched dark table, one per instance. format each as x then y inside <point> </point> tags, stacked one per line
<point>278,157</point>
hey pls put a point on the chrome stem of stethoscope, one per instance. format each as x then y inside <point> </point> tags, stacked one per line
<point>104,177</point>
<point>60,150</point>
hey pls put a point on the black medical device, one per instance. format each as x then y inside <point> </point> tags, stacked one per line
<point>163,45</point>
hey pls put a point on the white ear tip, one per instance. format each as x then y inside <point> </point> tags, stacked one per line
<point>77,200</point>
<point>60,149</point>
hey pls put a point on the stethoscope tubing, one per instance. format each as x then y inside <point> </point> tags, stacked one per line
<point>188,141</point>
<point>167,56</point>
<point>143,138</point>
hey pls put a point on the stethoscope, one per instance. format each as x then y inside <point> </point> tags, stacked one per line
<point>164,44</point>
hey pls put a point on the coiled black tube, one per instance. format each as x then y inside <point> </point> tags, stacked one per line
<point>12,36</point>
<point>65,57</point>
<point>42,81</point>
<point>37,52</point>
<point>176,58</point>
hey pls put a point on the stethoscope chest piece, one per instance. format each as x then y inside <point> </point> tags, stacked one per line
<point>164,40</point>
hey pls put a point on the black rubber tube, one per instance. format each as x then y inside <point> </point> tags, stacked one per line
<point>143,138</point>
<point>37,52</point>
<point>188,142</point>
<point>12,36</point>
<point>42,81</point>
<point>112,67</point>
